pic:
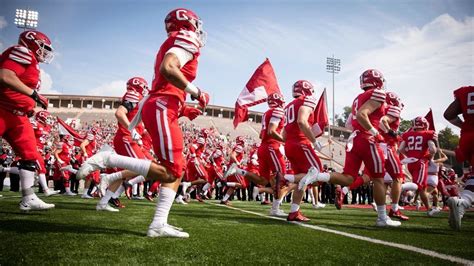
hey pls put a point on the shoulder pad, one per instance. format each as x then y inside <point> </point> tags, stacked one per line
<point>378,95</point>
<point>21,54</point>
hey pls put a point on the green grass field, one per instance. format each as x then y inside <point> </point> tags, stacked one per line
<point>75,233</point>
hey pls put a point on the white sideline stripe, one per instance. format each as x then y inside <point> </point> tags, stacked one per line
<point>363,238</point>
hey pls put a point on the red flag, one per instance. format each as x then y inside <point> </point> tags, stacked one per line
<point>429,117</point>
<point>321,116</point>
<point>262,83</point>
<point>65,129</point>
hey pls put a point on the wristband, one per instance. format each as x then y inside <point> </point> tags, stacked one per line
<point>373,131</point>
<point>192,89</point>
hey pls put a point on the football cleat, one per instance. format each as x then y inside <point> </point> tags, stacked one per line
<point>166,231</point>
<point>137,197</point>
<point>69,193</point>
<point>398,214</point>
<point>96,162</point>
<point>434,211</point>
<point>225,202</point>
<point>339,198</point>
<point>86,196</point>
<point>149,197</point>
<point>50,192</point>
<point>128,190</point>
<point>34,204</point>
<point>265,202</point>
<point>456,212</point>
<point>231,171</point>
<point>387,223</point>
<point>297,216</point>
<point>116,203</point>
<point>105,207</point>
<point>179,200</point>
<point>319,205</point>
<point>309,178</point>
<point>278,213</point>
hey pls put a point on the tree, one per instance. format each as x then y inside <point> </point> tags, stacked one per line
<point>341,119</point>
<point>447,139</point>
<point>404,125</point>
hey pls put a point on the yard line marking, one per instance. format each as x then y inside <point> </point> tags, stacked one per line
<point>363,238</point>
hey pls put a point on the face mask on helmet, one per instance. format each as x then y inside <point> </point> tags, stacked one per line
<point>372,78</point>
<point>39,44</point>
<point>185,19</point>
<point>302,87</point>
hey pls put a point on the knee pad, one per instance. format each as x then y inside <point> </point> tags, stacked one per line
<point>28,165</point>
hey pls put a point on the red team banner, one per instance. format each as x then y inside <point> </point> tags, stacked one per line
<point>262,83</point>
<point>429,117</point>
<point>65,129</point>
<point>321,116</point>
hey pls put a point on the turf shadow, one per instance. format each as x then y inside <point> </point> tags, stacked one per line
<point>26,226</point>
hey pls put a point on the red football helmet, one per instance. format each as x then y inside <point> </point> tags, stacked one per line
<point>240,140</point>
<point>218,153</point>
<point>394,100</point>
<point>420,123</point>
<point>139,85</point>
<point>205,132</point>
<point>43,117</point>
<point>201,141</point>
<point>275,100</point>
<point>185,19</point>
<point>39,44</point>
<point>372,78</point>
<point>302,87</point>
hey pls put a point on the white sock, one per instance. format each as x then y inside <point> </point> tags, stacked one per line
<point>206,187</point>
<point>468,197</point>
<point>226,197</point>
<point>105,199</point>
<point>311,196</point>
<point>262,197</point>
<point>135,189</point>
<point>323,177</point>
<point>114,177</point>
<point>68,189</point>
<point>42,181</point>
<point>294,207</point>
<point>395,207</point>
<point>135,165</point>
<point>136,180</point>
<point>276,204</point>
<point>409,186</point>
<point>27,179</point>
<point>345,190</point>
<point>382,212</point>
<point>163,206</point>
<point>84,192</point>
<point>119,192</point>
<point>94,189</point>
<point>241,172</point>
<point>231,184</point>
<point>290,178</point>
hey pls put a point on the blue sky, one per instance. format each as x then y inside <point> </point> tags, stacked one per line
<point>424,48</point>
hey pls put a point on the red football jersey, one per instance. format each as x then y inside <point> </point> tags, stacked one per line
<point>416,143</point>
<point>133,98</point>
<point>92,146</point>
<point>22,61</point>
<point>293,132</point>
<point>188,41</point>
<point>465,96</point>
<point>393,111</point>
<point>65,154</point>
<point>274,115</point>
<point>372,94</point>
<point>41,133</point>
<point>239,150</point>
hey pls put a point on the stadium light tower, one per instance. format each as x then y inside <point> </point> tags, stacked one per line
<point>26,19</point>
<point>333,65</point>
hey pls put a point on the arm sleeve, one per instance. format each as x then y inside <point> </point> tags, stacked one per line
<point>183,55</point>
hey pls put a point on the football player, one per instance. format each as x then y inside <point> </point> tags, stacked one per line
<point>175,69</point>
<point>364,144</point>
<point>19,85</point>
<point>63,167</point>
<point>418,146</point>
<point>463,104</point>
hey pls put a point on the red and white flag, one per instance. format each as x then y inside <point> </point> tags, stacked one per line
<point>65,129</point>
<point>321,119</point>
<point>262,83</point>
